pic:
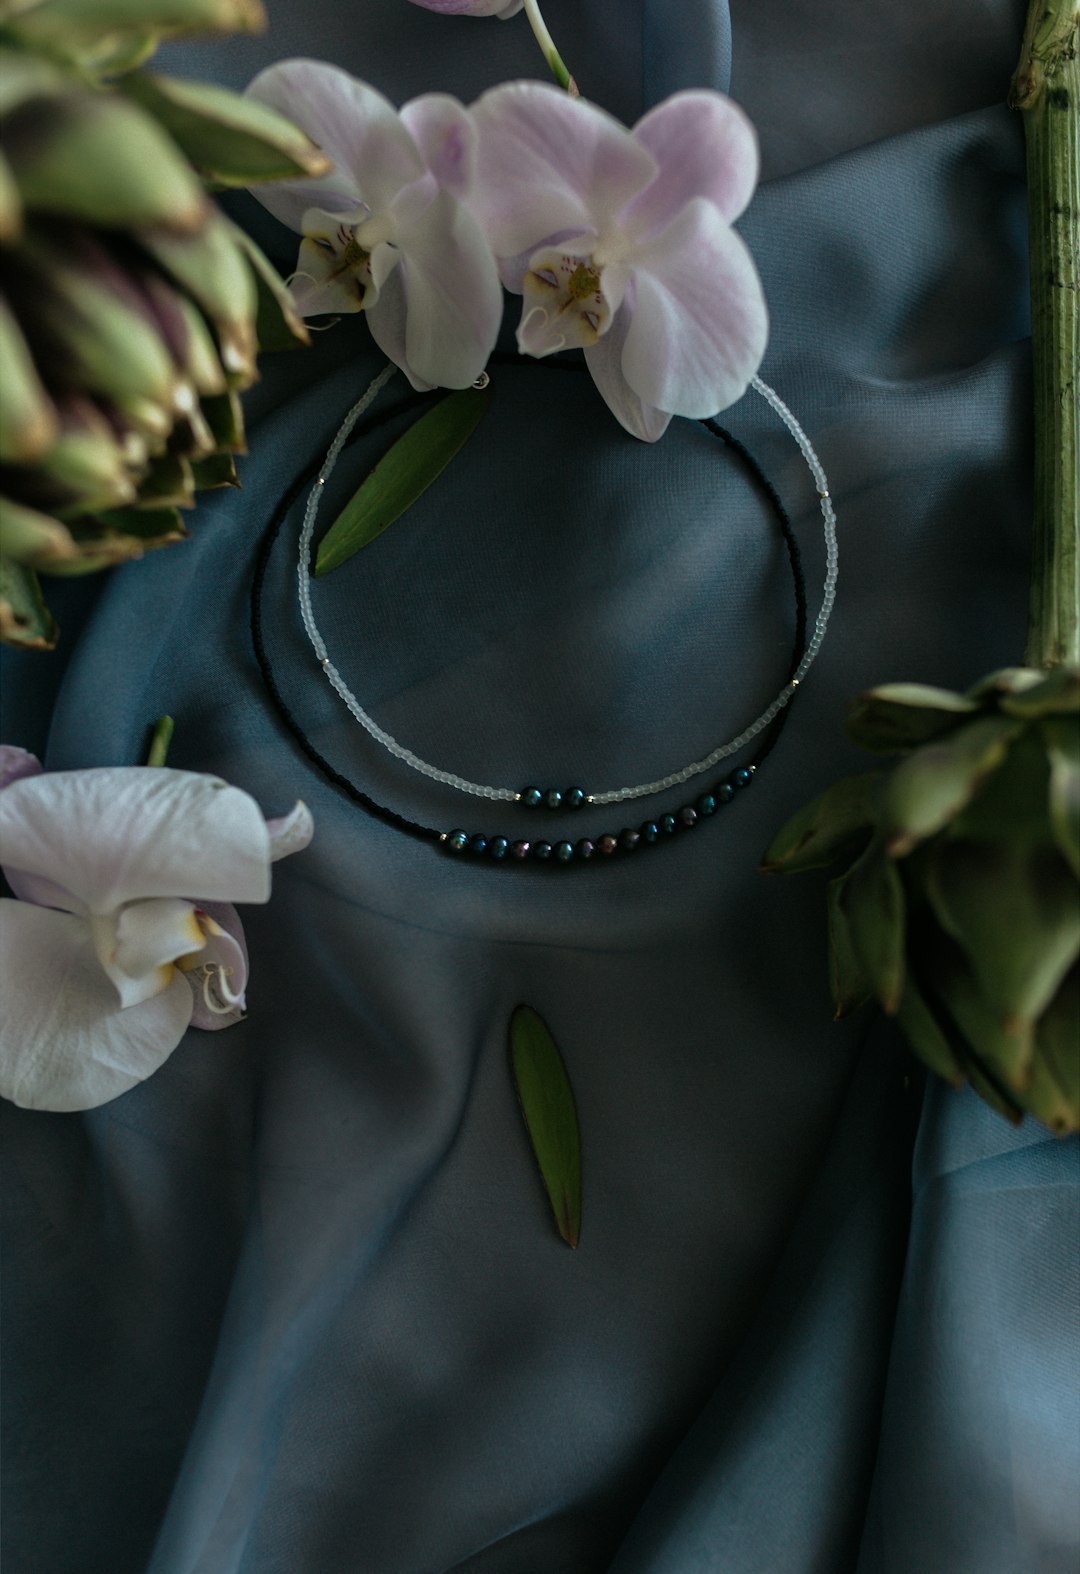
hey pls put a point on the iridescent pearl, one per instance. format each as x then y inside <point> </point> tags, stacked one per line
<point>542,850</point>
<point>668,824</point>
<point>743,778</point>
<point>531,797</point>
<point>498,847</point>
<point>724,792</point>
<point>706,804</point>
<point>553,798</point>
<point>650,831</point>
<point>478,845</point>
<point>687,816</point>
<point>573,798</point>
<point>564,852</point>
<point>457,841</point>
<point>606,845</point>
<point>520,849</point>
<point>629,840</point>
<point>585,848</point>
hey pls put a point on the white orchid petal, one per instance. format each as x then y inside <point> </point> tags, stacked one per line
<point>43,893</point>
<point>64,1042</point>
<point>217,975</point>
<point>443,130</point>
<point>120,834</point>
<point>705,147</point>
<point>386,319</point>
<point>604,360</point>
<point>290,833</point>
<point>137,946</point>
<point>699,324</point>
<point>550,164</point>
<point>356,127</point>
<point>500,8</point>
<point>15,763</point>
<point>453,299</point>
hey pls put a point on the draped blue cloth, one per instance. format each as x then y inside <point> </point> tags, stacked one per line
<point>295,1305</point>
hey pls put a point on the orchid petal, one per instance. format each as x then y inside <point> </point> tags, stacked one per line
<point>443,130</point>
<point>705,147</point>
<point>453,299</point>
<point>290,833</point>
<point>137,947</point>
<point>500,8</point>
<point>43,893</point>
<point>16,763</point>
<point>119,834</point>
<point>64,1045</point>
<point>604,360</point>
<point>333,273</point>
<point>356,127</point>
<point>551,164</point>
<point>386,319</point>
<point>217,975</point>
<point>699,324</point>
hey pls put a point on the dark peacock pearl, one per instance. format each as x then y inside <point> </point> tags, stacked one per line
<point>629,840</point>
<point>573,798</point>
<point>564,851</point>
<point>457,841</point>
<point>606,845</point>
<point>520,849</point>
<point>650,831</point>
<point>688,816</point>
<point>478,845</point>
<point>498,847</point>
<point>542,850</point>
<point>743,778</point>
<point>531,797</point>
<point>706,804</point>
<point>585,849</point>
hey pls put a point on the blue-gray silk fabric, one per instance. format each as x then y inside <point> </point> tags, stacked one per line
<point>296,1304</point>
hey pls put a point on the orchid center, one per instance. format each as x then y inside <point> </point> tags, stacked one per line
<point>333,270</point>
<point>565,303</point>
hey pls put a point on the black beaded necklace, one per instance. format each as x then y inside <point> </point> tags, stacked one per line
<point>511,851</point>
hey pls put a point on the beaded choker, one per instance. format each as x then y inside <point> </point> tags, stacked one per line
<point>558,851</point>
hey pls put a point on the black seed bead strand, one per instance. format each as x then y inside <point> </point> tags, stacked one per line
<point>629,840</point>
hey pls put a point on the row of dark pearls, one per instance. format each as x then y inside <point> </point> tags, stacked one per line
<point>553,797</point>
<point>628,840</point>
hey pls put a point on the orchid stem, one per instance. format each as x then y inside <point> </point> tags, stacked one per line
<point>160,739</point>
<point>548,50</point>
<point>1046,88</point>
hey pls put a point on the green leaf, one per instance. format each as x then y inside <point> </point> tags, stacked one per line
<point>547,1103</point>
<point>903,715</point>
<point>1063,746</point>
<point>25,620</point>
<point>838,821</point>
<point>936,781</point>
<point>1013,910</point>
<point>402,474</point>
<point>871,899</point>
<point>236,141</point>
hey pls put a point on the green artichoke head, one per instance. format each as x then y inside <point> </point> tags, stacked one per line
<point>131,309</point>
<point>957,904</point>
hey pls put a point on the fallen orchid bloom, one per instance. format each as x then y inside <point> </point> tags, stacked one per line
<point>122,934</point>
<point>387,231</point>
<point>621,243</point>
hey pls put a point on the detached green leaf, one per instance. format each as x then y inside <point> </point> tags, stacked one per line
<point>903,715</point>
<point>402,474</point>
<point>547,1103</point>
<point>838,821</point>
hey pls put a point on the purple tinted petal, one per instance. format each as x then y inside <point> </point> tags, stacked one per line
<point>500,8</point>
<point>356,127</point>
<point>43,893</point>
<point>218,975</point>
<point>443,130</point>
<point>705,147</point>
<point>550,164</point>
<point>65,1044</point>
<point>699,324</point>
<point>386,319</point>
<point>604,360</point>
<point>453,299</point>
<point>16,763</point>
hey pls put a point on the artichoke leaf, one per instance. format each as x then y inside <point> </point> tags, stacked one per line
<point>25,620</point>
<point>11,208</point>
<point>216,470</point>
<point>871,899</point>
<point>1057,692</point>
<point>98,158</point>
<point>1013,910</point>
<point>850,986</point>
<point>72,26</point>
<point>933,783</point>
<point>1011,804</point>
<point>278,324</point>
<point>837,823</point>
<point>211,268</point>
<point>900,716</point>
<point>1055,1091</point>
<point>928,1038</point>
<point>32,538</point>
<point>1005,1049</point>
<point>1063,745</point>
<point>28,420</point>
<point>233,140</point>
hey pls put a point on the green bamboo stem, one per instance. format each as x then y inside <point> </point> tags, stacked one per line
<point>160,739</point>
<point>1046,88</point>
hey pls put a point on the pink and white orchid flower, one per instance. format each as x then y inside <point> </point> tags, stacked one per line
<point>386,232</point>
<point>122,934</point>
<point>621,243</point>
<point>500,8</point>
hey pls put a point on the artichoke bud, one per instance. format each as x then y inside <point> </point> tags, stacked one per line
<point>84,469</point>
<point>959,911</point>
